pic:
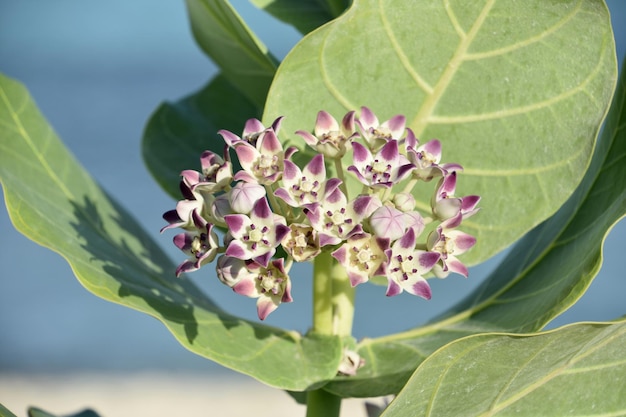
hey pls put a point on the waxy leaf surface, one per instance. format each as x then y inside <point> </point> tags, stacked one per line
<point>53,201</point>
<point>177,133</point>
<point>515,91</point>
<point>224,36</point>
<point>543,275</point>
<point>576,370</point>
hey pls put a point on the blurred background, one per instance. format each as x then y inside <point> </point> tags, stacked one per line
<point>97,70</point>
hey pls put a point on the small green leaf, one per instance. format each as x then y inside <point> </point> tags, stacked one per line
<point>4,412</point>
<point>515,91</point>
<point>304,15</point>
<point>544,274</point>
<point>177,133</point>
<point>576,370</point>
<point>37,412</point>
<point>53,201</point>
<point>224,36</point>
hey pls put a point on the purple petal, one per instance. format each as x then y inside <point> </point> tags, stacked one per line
<point>291,170</point>
<point>245,287</point>
<point>270,143</point>
<point>316,165</point>
<point>429,259</point>
<point>368,117</point>
<point>421,289</point>
<point>265,305</point>
<point>325,123</point>
<point>237,250</point>
<point>236,222</point>
<point>389,151</point>
<point>229,137</point>
<point>261,209</point>
<point>393,288</point>
<point>396,125</point>
<point>253,126</point>
<point>360,153</point>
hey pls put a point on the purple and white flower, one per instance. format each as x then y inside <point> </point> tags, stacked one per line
<point>329,138</point>
<point>384,169</point>
<point>363,256</point>
<point>255,236</point>
<point>407,266</point>
<point>200,244</point>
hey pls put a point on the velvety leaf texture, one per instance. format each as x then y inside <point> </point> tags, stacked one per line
<point>558,262</point>
<point>54,202</point>
<point>515,91</point>
<point>576,370</point>
<point>177,133</point>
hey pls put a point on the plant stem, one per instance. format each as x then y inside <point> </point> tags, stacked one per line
<point>322,403</point>
<point>333,297</point>
<point>333,313</point>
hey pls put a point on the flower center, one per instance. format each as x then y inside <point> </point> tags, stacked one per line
<point>338,217</point>
<point>270,283</point>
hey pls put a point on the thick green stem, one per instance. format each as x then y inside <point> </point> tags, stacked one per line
<point>333,313</point>
<point>322,403</point>
<point>333,297</point>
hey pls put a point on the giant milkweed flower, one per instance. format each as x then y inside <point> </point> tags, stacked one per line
<point>255,236</point>
<point>330,138</point>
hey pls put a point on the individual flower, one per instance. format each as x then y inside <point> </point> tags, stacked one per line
<point>363,256</point>
<point>384,169</point>
<point>255,236</point>
<point>201,245</point>
<point>252,131</point>
<point>263,163</point>
<point>388,222</point>
<point>330,138</point>
<point>306,186</point>
<point>335,219</point>
<point>450,244</point>
<point>302,243</point>
<point>243,196</point>
<point>182,215</point>
<point>216,175</point>
<point>350,363</point>
<point>377,134</point>
<point>407,267</point>
<point>450,209</point>
<point>270,284</point>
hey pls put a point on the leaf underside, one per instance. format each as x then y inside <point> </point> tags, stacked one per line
<point>53,201</point>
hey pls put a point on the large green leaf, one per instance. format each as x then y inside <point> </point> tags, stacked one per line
<point>53,201</point>
<point>304,15</point>
<point>224,36</point>
<point>516,92</point>
<point>177,133</point>
<point>576,370</point>
<point>544,274</point>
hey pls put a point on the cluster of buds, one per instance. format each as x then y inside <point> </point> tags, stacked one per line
<point>275,212</point>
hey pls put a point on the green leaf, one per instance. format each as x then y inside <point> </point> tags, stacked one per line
<point>53,201</point>
<point>576,370</point>
<point>4,412</point>
<point>224,36</point>
<point>304,15</point>
<point>543,275</point>
<point>177,133</point>
<point>37,412</point>
<point>516,92</point>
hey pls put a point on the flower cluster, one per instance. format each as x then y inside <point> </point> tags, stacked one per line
<point>275,212</point>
